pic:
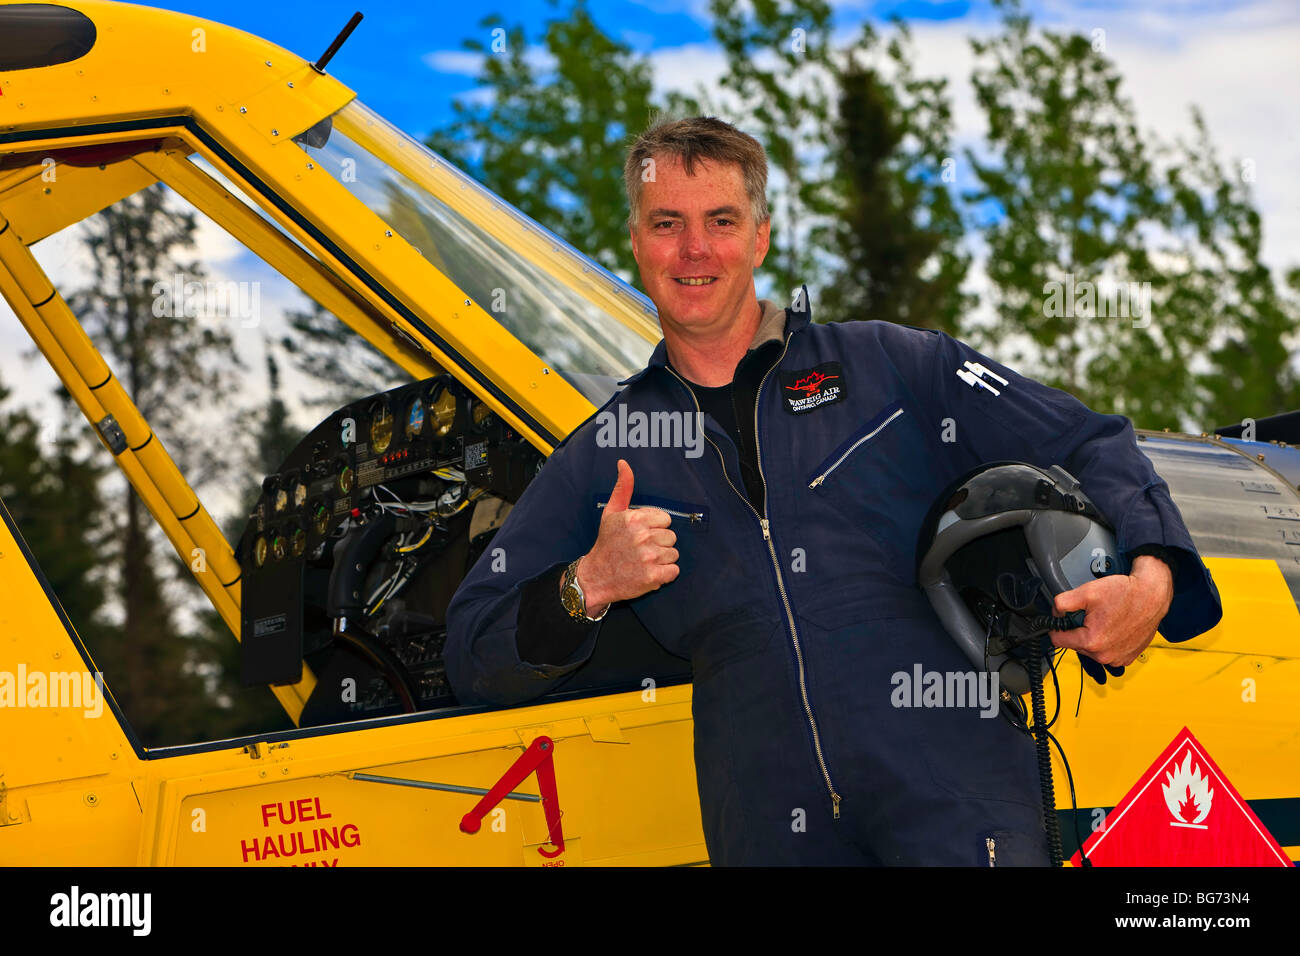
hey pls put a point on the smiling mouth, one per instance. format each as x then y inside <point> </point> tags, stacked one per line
<point>695,280</point>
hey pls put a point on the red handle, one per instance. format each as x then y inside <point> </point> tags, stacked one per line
<point>537,758</point>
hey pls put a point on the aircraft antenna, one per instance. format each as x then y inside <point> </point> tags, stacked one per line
<point>319,65</point>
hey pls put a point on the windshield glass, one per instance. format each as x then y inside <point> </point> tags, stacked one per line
<point>544,292</point>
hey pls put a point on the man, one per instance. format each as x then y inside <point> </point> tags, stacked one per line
<point>781,560</point>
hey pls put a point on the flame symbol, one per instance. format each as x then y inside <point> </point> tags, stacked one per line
<point>1187,792</point>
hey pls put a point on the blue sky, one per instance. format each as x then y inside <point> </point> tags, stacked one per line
<point>385,60</point>
<point>1233,58</point>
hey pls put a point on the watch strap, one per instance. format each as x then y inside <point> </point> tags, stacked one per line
<point>571,583</point>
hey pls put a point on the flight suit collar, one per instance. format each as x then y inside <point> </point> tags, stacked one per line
<point>772,327</point>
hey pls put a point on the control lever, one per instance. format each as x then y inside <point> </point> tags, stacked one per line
<point>538,758</point>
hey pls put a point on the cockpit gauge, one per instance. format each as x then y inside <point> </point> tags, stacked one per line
<point>321,519</point>
<point>277,546</point>
<point>414,418</point>
<point>299,495</point>
<point>442,409</point>
<point>345,479</point>
<point>480,414</point>
<point>259,551</point>
<point>281,500</point>
<point>381,428</point>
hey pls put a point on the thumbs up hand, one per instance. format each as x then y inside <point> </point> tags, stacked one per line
<point>633,553</point>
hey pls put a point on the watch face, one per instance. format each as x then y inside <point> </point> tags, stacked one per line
<point>571,598</point>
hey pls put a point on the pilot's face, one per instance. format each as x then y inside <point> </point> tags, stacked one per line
<point>697,245</point>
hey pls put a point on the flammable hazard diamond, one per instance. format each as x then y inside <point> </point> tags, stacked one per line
<point>1183,812</point>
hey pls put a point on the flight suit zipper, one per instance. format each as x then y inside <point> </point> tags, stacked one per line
<point>852,448</point>
<point>766,526</point>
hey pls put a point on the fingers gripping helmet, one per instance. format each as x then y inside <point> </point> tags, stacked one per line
<point>994,551</point>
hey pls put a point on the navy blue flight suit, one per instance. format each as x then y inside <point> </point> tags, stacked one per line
<point>796,621</point>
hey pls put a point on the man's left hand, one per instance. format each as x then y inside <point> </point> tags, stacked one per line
<point>1123,612</point>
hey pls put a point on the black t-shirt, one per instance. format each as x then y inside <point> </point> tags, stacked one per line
<point>732,406</point>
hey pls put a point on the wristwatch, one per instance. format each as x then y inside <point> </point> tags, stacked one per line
<point>574,601</point>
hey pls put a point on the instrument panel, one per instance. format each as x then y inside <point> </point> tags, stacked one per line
<point>359,540</point>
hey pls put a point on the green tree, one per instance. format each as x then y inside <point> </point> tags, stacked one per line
<point>552,140</point>
<point>861,192</point>
<point>897,228</point>
<point>1084,210</point>
<point>1217,270</point>
<point>52,491</point>
<point>780,80</point>
<point>171,364</point>
<point>329,352</point>
<point>861,206</point>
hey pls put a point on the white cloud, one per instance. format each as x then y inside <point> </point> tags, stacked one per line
<point>470,63</point>
<point>697,10</point>
<point>637,40</point>
<point>462,62</point>
<point>479,97</point>
<point>685,68</point>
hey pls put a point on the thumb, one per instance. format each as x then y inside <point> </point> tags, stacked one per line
<point>621,496</point>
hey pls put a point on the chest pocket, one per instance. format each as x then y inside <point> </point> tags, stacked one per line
<point>854,444</point>
<point>663,611</point>
<point>872,482</point>
<point>690,522</point>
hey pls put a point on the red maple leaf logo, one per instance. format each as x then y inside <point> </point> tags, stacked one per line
<point>810,384</point>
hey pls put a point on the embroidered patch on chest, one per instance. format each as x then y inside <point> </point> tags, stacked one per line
<point>808,389</point>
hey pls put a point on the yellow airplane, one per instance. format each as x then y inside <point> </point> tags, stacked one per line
<point>510,339</point>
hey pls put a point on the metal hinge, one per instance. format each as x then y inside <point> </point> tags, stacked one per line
<point>605,729</point>
<point>260,748</point>
<point>113,435</point>
<point>5,819</point>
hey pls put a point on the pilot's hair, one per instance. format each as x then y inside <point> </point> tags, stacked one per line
<point>694,139</point>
